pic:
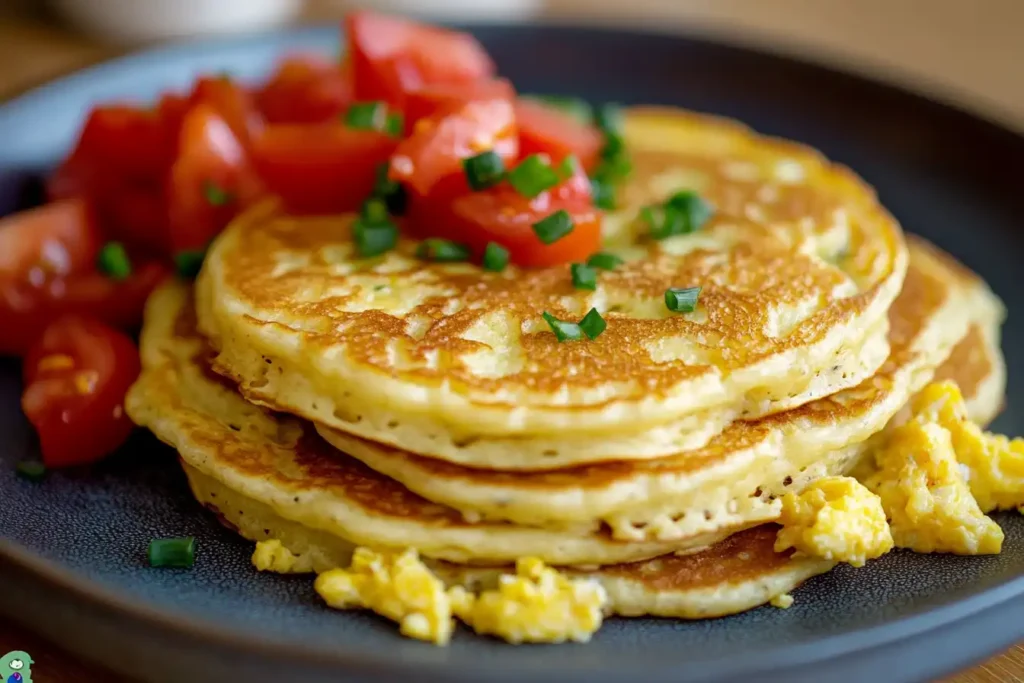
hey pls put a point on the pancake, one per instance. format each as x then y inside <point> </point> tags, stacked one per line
<point>235,452</point>
<point>743,469</point>
<point>798,266</point>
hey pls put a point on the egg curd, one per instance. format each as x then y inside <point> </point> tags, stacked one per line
<point>272,556</point>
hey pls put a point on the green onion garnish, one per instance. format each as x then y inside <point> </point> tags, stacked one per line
<point>436,249</point>
<point>495,257</point>
<point>593,324</point>
<point>391,191</point>
<point>683,213</point>
<point>567,167</point>
<point>564,331</point>
<point>603,192</point>
<point>172,552</point>
<point>532,176</point>
<point>367,116</point>
<point>682,300</point>
<point>32,470</point>
<point>573,106</point>
<point>483,170</point>
<point>605,261</point>
<point>583,276</point>
<point>373,238</point>
<point>113,261</point>
<point>375,210</point>
<point>189,263</point>
<point>553,228</point>
<point>394,125</point>
<point>609,118</point>
<point>215,194</point>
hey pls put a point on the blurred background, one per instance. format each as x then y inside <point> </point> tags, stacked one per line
<point>966,51</point>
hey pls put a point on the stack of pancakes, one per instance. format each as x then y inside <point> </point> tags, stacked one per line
<point>331,402</point>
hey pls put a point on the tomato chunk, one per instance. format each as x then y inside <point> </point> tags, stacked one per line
<point>393,56</point>
<point>54,240</point>
<point>432,99</point>
<point>325,168</point>
<point>438,145</point>
<point>77,376</point>
<point>500,214</point>
<point>231,102</point>
<point>545,130</point>
<point>125,140</point>
<point>306,89</point>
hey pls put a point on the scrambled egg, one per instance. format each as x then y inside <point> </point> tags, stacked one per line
<point>272,556</point>
<point>395,585</point>
<point>537,605</point>
<point>835,518</point>
<point>922,478</point>
<point>784,601</point>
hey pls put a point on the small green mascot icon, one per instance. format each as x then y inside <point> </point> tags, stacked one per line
<point>16,667</point>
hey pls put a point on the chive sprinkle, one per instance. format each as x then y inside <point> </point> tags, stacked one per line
<point>215,194</point>
<point>495,257</point>
<point>189,263</point>
<point>373,238</point>
<point>583,276</point>
<point>605,261</point>
<point>391,191</point>
<point>593,324</point>
<point>532,176</point>
<point>172,552</point>
<point>375,210</point>
<point>682,300</point>
<point>568,167</point>
<point>367,116</point>
<point>609,118</point>
<point>683,213</point>
<point>553,228</point>
<point>564,331</point>
<point>603,192</point>
<point>483,170</point>
<point>31,470</point>
<point>394,125</point>
<point>113,261</point>
<point>436,249</point>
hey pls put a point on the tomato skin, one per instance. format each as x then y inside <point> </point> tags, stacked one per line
<point>306,89</point>
<point>437,146</point>
<point>432,99</point>
<point>77,375</point>
<point>394,56</point>
<point>545,130</point>
<point>234,105</point>
<point>53,240</point>
<point>126,141</point>
<point>327,168</point>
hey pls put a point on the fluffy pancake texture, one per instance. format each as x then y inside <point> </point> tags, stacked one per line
<point>798,267</point>
<point>744,468</point>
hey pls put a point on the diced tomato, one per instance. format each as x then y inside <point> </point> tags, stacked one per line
<point>324,168</point>
<point>54,240</point>
<point>545,130</point>
<point>433,99</point>
<point>306,89</point>
<point>500,214</point>
<point>124,140</point>
<point>77,376</point>
<point>393,56</point>
<point>136,216</point>
<point>438,145</point>
<point>172,109</point>
<point>210,181</point>
<point>231,102</point>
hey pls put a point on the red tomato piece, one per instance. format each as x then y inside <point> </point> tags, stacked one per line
<point>54,240</point>
<point>231,102</point>
<point>502,215</point>
<point>306,89</point>
<point>433,99</point>
<point>77,376</point>
<point>172,109</point>
<point>545,130</point>
<point>136,216</point>
<point>125,140</point>
<point>393,56</point>
<point>210,181</point>
<point>438,145</point>
<point>320,168</point>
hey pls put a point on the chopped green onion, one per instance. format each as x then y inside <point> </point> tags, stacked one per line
<point>573,106</point>
<point>683,213</point>
<point>32,470</point>
<point>593,324</point>
<point>216,195</point>
<point>483,170</point>
<point>495,257</point>
<point>367,116</point>
<point>553,228</point>
<point>391,191</point>
<point>532,176</point>
<point>113,261</point>
<point>373,238</point>
<point>568,167</point>
<point>583,276</point>
<point>394,125</point>
<point>614,146</point>
<point>436,249</point>
<point>172,552</point>
<point>189,263</point>
<point>564,331</point>
<point>609,118</point>
<point>614,166</point>
<point>375,210</point>
<point>604,261</point>
<point>682,300</point>
<point>603,192</point>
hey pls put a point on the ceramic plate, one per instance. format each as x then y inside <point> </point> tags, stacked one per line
<point>72,554</point>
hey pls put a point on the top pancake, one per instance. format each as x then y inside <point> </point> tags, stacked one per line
<point>799,266</point>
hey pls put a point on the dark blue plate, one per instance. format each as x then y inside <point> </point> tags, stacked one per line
<point>72,562</point>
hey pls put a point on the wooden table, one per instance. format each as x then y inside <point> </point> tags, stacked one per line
<point>968,52</point>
